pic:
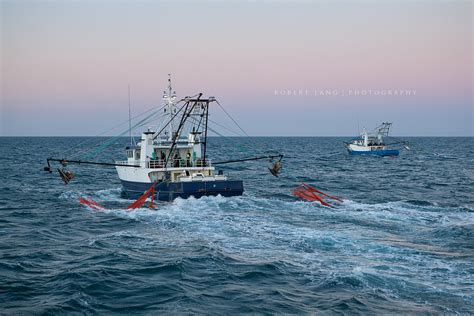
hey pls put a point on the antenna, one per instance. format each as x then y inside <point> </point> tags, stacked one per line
<point>129,117</point>
<point>169,98</point>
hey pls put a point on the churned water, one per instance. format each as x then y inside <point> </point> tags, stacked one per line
<point>402,242</point>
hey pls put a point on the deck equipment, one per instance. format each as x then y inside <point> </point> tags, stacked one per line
<point>309,193</point>
<point>374,143</point>
<point>171,159</point>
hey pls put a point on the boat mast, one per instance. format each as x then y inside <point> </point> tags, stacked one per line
<point>205,133</point>
<point>129,117</point>
<point>382,131</point>
<point>188,109</point>
<point>365,136</point>
<point>169,98</point>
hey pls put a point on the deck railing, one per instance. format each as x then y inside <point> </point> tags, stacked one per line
<point>175,163</point>
<point>123,162</point>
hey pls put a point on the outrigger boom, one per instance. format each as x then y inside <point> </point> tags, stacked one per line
<point>248,159</point>
<point>172,157</point>
<point>66,161</point>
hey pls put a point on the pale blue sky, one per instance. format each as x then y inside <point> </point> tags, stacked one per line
<point>65,65</point>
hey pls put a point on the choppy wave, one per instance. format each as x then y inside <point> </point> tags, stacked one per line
<point>398,244</point>
<point>300,235</point>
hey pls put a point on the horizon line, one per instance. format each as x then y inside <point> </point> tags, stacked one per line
<point>216,136</point>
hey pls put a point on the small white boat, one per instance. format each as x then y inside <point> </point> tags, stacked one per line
<point>372,144</point>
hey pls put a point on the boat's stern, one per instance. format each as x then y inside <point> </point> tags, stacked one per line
<point>168,191</point>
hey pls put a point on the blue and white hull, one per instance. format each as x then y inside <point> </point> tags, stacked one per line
<point>375,152</point>
<point>181,182</point>
<point>173,157</point>
<point>372,144</point>
<point>360,149</point>
<point>168,191</point>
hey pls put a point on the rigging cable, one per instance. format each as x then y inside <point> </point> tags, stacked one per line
<point>232,118</point>
<point>230,141</point>
<point>94,152</point>
<point>88,140</point>
<point>249,147</point>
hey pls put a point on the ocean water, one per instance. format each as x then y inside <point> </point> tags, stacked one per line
<point>401,242</point>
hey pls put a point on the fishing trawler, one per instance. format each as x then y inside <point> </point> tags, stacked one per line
<point>171,159</point>
<point>174,158</point>
<point>372,144</point>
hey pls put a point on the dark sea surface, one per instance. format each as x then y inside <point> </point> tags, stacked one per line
<point>401,243</point>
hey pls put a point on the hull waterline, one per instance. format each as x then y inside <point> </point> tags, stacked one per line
<point>172,190</point>
<point>382,153</point>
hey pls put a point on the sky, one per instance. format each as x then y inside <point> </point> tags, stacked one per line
<point>281,68</point>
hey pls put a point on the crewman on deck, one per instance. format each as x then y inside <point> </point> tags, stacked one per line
<point>176,159</point>
<point>188,159</point>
